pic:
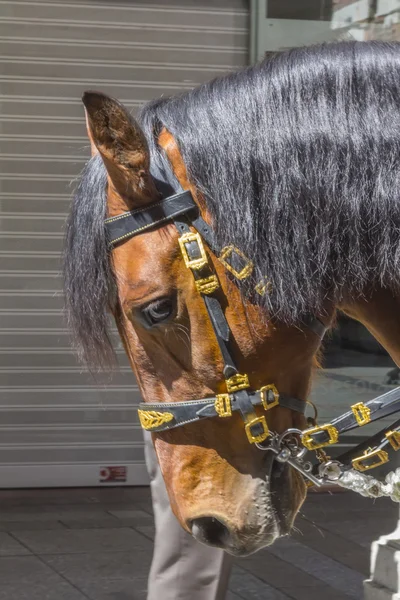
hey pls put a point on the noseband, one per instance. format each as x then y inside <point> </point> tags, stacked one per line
<point>195,233</point>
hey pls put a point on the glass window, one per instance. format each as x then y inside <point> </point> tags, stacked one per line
<point>310,10</point>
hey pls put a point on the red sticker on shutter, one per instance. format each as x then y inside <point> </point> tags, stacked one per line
<point>113,474</point>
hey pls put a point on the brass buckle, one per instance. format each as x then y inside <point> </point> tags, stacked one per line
<point>263,286</point>
<point>394,439</point>
<point>150,419</point>
<point>208,285</point>
<point>226,253</point>
<point>257,439</point>
<point>193,263</point>
<point>222,405</point>
<point>264,396</point>
<point>237,382</point>
<point>379,456</point>
<point>362,413</point>
<point>312,444</point>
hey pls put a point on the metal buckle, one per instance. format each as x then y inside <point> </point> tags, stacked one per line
<point>193,263</point>
<point>226,253</point>
<point>381,457</point>
<point>257,439</point>
<point>362,413</point>
<point>237,382</point>
<point>394,439</point>
<point>208,285</point>
<point>312,444</point>
<point>150,419</point>
<point>222,405</point>
<point>264,396</point>
<point>263,286</point>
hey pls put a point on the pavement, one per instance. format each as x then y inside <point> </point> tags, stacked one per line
<point>96,544</point>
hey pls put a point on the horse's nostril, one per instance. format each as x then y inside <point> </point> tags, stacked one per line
<point>211,531</point>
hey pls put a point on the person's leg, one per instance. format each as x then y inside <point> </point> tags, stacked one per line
<point>182,569</point>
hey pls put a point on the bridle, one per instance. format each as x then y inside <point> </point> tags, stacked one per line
<point>290,446</point>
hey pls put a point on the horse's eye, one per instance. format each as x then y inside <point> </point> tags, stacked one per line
<point>158,311</point>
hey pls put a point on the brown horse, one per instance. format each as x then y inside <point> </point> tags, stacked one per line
<point>222,489</point>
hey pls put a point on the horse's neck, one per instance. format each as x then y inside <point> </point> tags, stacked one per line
<point>380,313</point>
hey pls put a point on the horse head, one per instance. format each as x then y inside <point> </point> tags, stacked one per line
<point>223,489</point>
<point>222,233</point>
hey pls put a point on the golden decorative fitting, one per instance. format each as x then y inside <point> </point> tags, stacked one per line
<point>257,439</point>
<point>237,382</point>
<point>362,413</point>
<point>193,263</point>
<point>223,406</point>
<point>378,457</point>
<point>263,286</point>
<point>150,419</point>
<point>394,439</point>
<point>208,285</point>
<point>311,444</point>
<point>226,253</point>
<point>264,396</point>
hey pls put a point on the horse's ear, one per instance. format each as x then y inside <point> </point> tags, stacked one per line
<point>122,144</point>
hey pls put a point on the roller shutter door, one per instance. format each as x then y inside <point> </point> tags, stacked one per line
<point>58,428</point>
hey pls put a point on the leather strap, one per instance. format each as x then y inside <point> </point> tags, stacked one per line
<point>379,439</point>
<point>137,221</point>
<point>191,411</point>
<point>376,451</point>
<point>379,407</point>
<point>218,320</point>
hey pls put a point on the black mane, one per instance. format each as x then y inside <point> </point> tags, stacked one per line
<point>299,161</point>
<point>89,284</point>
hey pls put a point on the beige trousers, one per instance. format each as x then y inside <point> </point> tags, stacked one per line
<point>182,569</point>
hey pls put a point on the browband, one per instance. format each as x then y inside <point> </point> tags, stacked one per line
<point>137,221</point>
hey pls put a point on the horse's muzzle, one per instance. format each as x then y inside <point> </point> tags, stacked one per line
<point>215,532</point>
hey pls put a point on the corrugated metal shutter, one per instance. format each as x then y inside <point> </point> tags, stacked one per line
<point>56,426</point>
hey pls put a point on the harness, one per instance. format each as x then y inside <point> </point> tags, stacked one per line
<point>292,445</point>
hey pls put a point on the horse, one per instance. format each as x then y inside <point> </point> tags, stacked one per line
<point>293,167</point>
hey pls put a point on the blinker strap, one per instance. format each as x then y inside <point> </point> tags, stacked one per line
<point>163,416</point>
<point>131,223</point>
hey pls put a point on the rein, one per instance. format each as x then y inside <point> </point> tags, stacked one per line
<point>292,445</point>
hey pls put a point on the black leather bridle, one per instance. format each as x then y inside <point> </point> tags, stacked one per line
<point>182,210</point>
<point>195,233</point>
